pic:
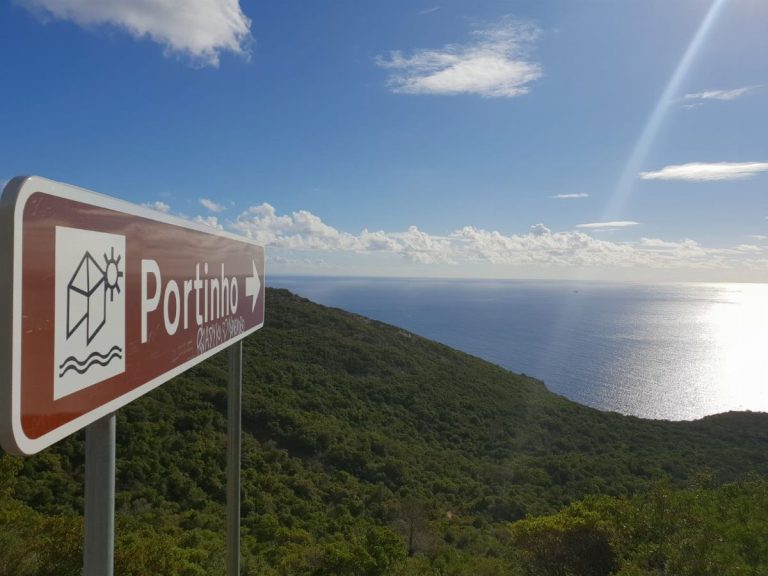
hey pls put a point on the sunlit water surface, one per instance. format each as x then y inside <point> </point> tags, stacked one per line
<point>676,352</point>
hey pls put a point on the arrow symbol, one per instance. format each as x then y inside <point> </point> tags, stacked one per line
<point>253,286</point>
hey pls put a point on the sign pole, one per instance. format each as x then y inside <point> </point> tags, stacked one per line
<point>100,497</point>
<point>234,439</point>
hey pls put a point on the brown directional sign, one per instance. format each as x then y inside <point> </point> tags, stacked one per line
<point>102,301</point>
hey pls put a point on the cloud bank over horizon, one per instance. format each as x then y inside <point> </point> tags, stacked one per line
<point>302,232</point>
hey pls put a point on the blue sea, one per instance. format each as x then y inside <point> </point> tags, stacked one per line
<point>675,351</point>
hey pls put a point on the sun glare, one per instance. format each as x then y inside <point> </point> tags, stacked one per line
<point>738,327</point>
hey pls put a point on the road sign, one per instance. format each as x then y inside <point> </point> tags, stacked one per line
<point>102,301</point>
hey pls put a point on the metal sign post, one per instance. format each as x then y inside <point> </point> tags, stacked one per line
<point>234,438</point>
<point>100,442</point>
<point>100,497</point>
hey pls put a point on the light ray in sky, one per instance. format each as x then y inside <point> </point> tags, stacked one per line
<point>615,205</point>
<point>625,185</point>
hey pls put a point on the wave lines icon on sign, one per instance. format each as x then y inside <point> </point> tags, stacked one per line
<point>94,358</point>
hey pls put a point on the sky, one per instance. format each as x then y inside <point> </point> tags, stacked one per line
<point>578,139</point>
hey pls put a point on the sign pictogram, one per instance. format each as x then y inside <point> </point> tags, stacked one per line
<point>106,300</point>
<point>90,306</point>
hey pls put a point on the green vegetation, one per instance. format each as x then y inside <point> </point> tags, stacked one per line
<point>701,531</point>
<point>369,450</point>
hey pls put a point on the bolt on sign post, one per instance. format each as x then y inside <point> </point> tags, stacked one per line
<point>102,301</point>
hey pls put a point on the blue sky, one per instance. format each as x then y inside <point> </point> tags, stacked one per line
<point>564,139</point>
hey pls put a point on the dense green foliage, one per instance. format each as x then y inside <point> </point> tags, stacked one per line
<point>700,531</point>
<point>369,450</point>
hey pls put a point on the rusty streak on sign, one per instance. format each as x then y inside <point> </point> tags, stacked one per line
<point>103,300</point>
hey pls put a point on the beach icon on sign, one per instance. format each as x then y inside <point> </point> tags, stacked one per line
<point>90,308</point>
<point>87,293</point>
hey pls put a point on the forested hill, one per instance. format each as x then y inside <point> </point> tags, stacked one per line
<point>368,450</point>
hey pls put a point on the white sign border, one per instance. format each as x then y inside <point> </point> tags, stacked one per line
<point>14,199</point>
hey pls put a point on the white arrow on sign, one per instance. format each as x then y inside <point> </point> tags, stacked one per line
<point>253,286</point>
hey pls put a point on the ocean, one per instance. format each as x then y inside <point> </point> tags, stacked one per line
<point>675,351</point>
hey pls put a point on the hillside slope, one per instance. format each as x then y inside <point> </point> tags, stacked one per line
<point>361,437</point>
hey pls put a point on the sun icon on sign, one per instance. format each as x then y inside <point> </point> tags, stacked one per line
<point>112,274</point>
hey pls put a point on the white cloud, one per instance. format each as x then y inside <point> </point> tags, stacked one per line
<point>751,248</point>
<point>211,221</point>
<point>718,94</point>
<point>608,225</point>
<point>495,64</point>
<point>200,29</point>
<point>568,196</point>
<point>539,230</point>
<point>758,236</point>
<point>211,205</point>
<point>703,172</point>
<point>290,235</point>
<point>303,230</point>
<point>158,205</point>
<point>273,258</point>
<point>662,244</point>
